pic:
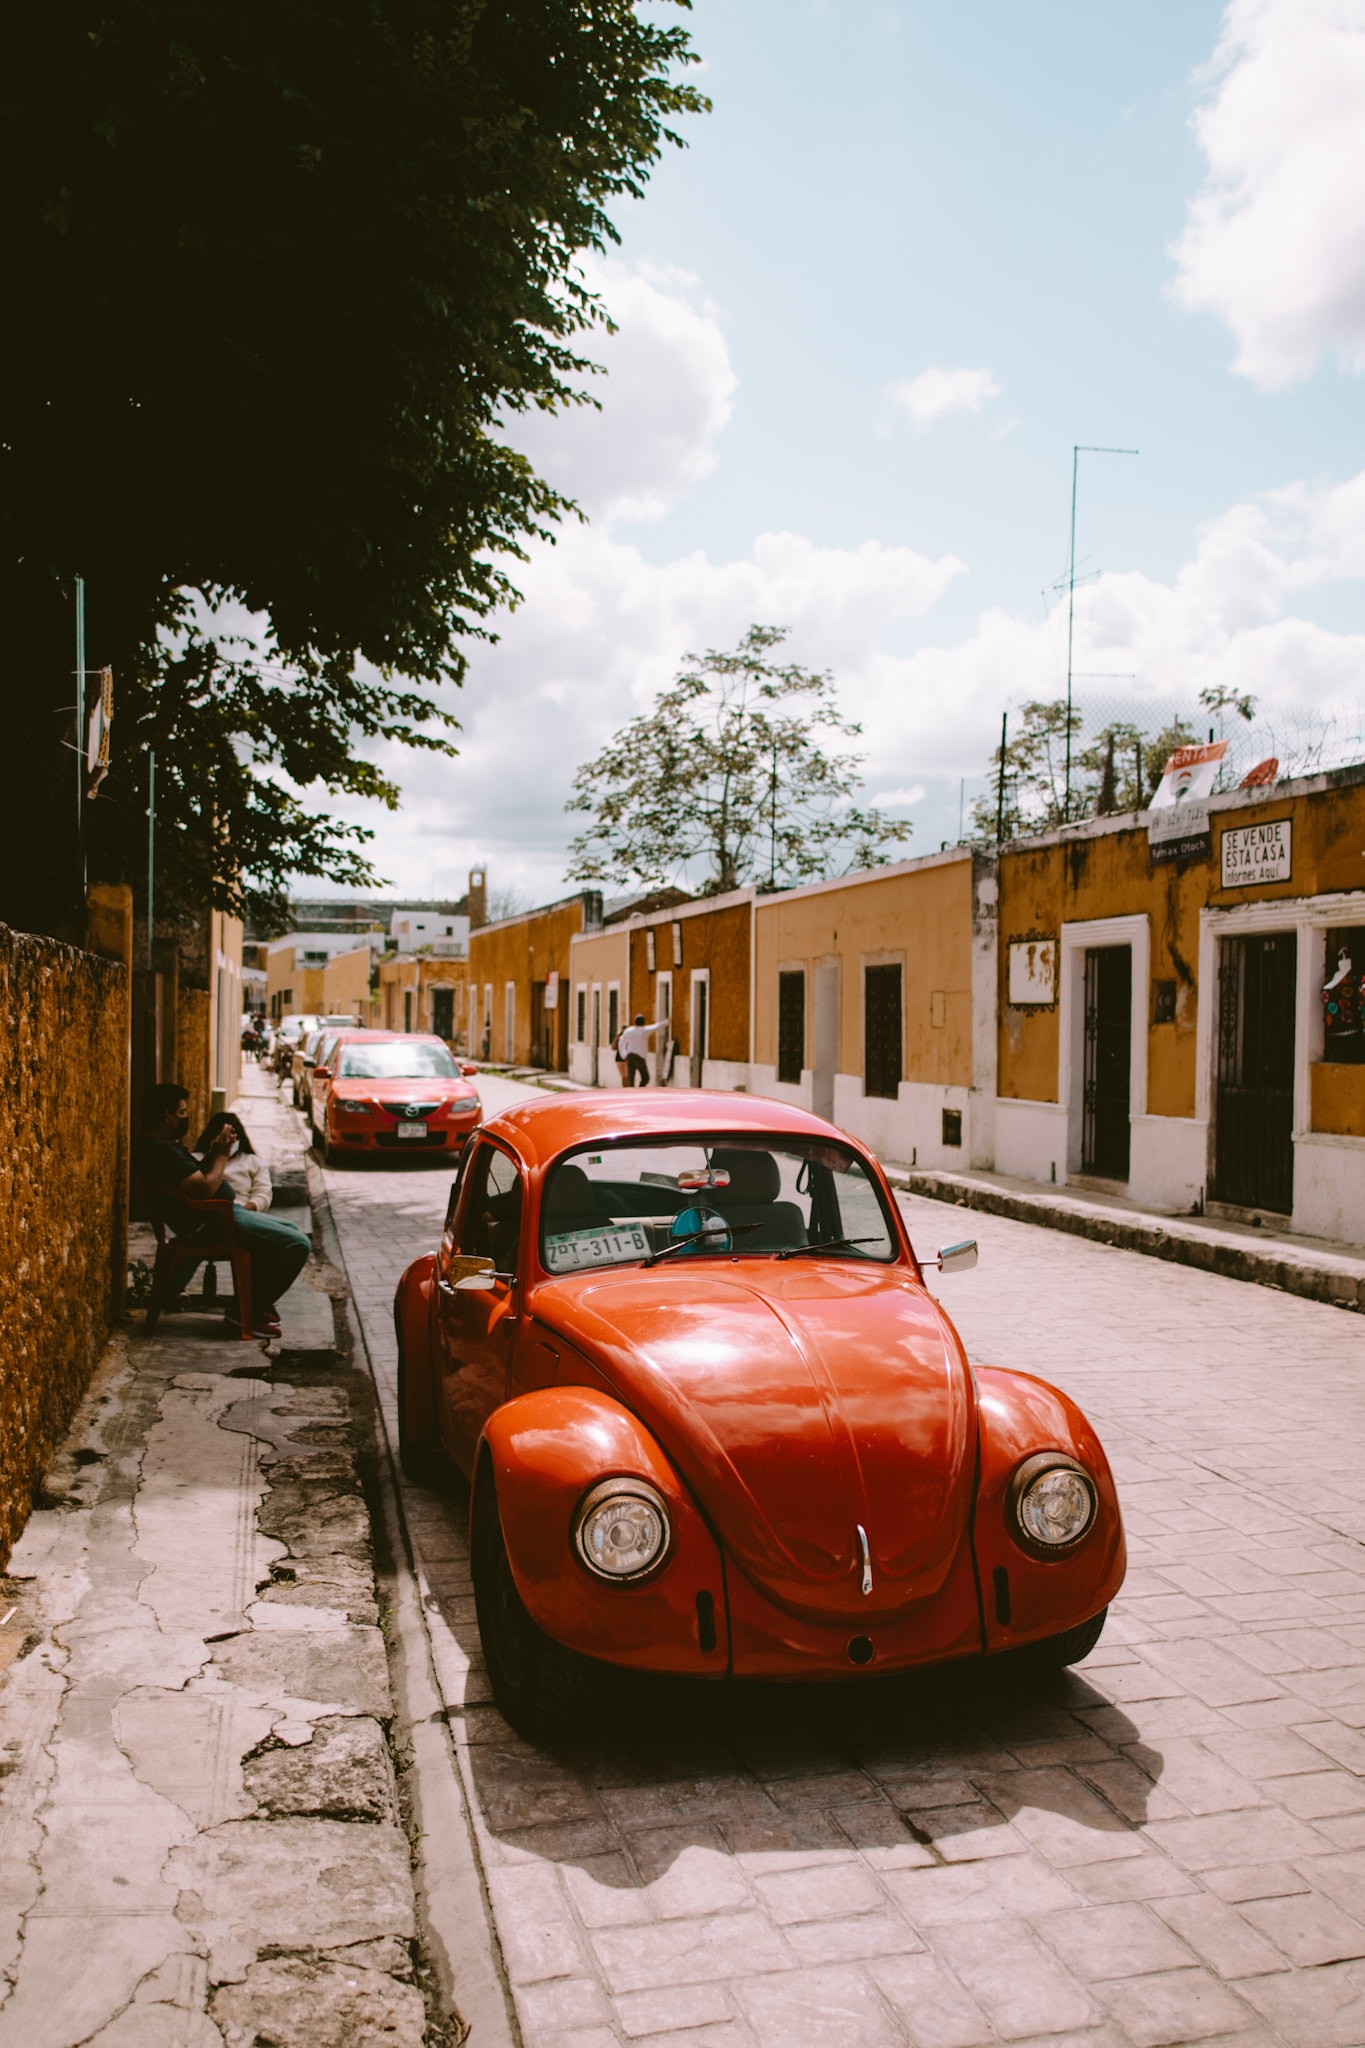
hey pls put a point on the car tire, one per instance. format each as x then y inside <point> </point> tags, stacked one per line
<point>1055,1653</point>
<point>420,1457</point>
<point>543,1689</point>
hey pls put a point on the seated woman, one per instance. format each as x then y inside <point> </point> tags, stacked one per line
<point>173,1177</point>
<point>246,1173</point>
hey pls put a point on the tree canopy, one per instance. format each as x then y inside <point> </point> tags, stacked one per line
<point>278,278</point>
<point>728,781</point>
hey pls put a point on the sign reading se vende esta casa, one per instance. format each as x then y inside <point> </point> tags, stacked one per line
<point>1257,853</point>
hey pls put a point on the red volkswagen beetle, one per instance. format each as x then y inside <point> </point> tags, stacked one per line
<point>715,1423</point>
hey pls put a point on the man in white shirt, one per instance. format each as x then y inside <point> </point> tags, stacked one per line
<point>632,1046</point>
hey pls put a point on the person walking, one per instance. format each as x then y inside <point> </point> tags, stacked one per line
<point>632,1046</point>
<point>173,1177</point>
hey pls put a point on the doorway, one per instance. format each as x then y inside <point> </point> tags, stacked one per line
<point>1107,1103</point>
<point>826,1048</point>
<point>1254,1113</point>
<point>701,990</point>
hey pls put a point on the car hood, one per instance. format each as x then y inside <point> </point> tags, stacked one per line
<point>799,1401</point>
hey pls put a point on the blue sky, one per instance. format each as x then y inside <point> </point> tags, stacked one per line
<point>885,189</point>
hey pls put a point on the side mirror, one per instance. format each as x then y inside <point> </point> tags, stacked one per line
<point>956,1258</point>
<point>322,1073</point>
<point>476,1283</point>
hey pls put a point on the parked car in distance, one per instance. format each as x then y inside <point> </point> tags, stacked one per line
<point>395,1092</point>
<point>320,1073</point>
<point>288,1038</point>
<point>716,1424</point>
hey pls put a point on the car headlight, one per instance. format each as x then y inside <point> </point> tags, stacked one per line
<point>354,1108</point>
<point>1053,1500</point>
<point>621,1529</point>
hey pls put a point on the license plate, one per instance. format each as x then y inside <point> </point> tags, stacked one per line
<point>412,1130</point>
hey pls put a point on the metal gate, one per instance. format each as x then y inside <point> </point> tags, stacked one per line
<point>1254,1130</point>
<point>1107,1106</point>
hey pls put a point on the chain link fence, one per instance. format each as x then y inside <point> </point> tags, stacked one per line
<point>1119,745</point>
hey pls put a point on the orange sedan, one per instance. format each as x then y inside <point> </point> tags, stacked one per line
<point>395,1092</point>
<point>716,1424</point>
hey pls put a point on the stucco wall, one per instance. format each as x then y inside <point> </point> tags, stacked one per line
<point>521,950</point>
<point>921,917</point>
<point>715,937</point>
<point>64,1081</point>
<point>1110,874</point>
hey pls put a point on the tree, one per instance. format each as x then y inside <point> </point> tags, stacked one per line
<point>1117,771</point>
<point>727,781</point>
<point>277,280</point>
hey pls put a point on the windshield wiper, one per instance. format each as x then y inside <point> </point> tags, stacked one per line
<point>828,1244</point>
<point>695,1237</point>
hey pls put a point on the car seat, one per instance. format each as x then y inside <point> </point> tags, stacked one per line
<point>752,1198</point>
<point>570,1201</point>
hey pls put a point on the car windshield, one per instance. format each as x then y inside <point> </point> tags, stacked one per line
<point>615,1205</point>
<point>393,1060</point>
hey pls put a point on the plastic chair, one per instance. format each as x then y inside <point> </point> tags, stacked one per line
<point>171,1252</point>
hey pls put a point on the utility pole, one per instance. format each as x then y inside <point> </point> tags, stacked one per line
<point>1079,449</point>
<point>1000,786</point>
<point>151,856</point>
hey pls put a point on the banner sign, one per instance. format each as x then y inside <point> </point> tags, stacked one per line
<point>1190,773</point>
<point>1253,854</point>
<point>552,989</point>
<point>1180,832</point>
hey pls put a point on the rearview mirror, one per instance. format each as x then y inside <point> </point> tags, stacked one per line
<point>957,1258</point>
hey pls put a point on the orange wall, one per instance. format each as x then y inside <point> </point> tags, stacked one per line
<point>521,950</point>
<point>714,938</point>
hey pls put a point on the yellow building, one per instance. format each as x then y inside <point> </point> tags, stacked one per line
<point>1167,1027</point>
<point>518,975</point>
<point>425,993</point>
<point>874,1004</point>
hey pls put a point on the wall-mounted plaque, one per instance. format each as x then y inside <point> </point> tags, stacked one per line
<point>1032,976</point>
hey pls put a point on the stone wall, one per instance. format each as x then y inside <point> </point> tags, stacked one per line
<point>64,1084</point>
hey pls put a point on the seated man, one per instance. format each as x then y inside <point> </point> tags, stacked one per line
<point>173,1176</point>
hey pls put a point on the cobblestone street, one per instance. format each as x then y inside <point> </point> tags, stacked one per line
<point>1167,1845</point>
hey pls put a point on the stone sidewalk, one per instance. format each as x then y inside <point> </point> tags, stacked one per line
<point>200,1833</point>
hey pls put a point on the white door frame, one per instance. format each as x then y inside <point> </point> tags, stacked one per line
<point>1076,940</point>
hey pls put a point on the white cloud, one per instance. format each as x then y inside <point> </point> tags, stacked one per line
<point>664,402</point>
<point>936,392</point>
<point>1274,242</point>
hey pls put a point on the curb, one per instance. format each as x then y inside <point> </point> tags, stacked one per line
<point>455,1913</point>
<point>1339,1282</point>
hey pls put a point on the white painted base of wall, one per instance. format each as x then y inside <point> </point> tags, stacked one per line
<point>724,1075</point>
<point>580,1064</point>
<point>1030,1139</point>
<point>763,1081</point>
<point>1168,1161</point>
<point>910,1129</point>
<point>1329,1186</point>
<point>580,1067</point>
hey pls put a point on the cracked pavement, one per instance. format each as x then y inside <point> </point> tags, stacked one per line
<point>200,1841</point>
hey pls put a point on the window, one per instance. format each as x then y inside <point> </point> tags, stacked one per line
<point>615,1204</point>
<point>882,1036</point>
<point>407,1009</point>
<point>492,1221</point>
<point>509,1020</point>
<point>1343,997</point>
<point>791,1025</point>
<point>391,1060</point>
<point>443,1012</point>
<point>582,1017</point>
<point>596,1018</point>
<point>613,1014</point>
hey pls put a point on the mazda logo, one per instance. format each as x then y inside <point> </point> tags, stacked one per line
<point>411,1111</point>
